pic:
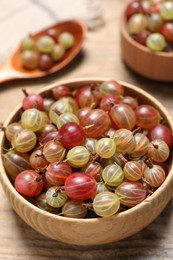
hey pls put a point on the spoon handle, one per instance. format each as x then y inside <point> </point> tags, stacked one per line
<point>7,73</point>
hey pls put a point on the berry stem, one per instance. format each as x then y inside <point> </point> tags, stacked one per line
<point>25,92</point>
<point>2,128</point>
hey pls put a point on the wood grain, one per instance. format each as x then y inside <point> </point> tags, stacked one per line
<point>101,56</point>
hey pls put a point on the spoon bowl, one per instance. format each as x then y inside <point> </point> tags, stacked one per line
<point>12,69</point>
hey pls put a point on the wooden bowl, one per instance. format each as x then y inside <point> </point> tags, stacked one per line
<point>93,231</point>
<point>150,64</point>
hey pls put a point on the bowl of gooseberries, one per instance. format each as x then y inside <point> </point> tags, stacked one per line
<point>87,161</point>
<point>147,38</point>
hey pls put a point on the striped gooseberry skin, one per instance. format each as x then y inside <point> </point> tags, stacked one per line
<point>28,183</point>
<point>78,156</point>
<point>46,137</point>
<point>71,135</point>
<point>11,129</point>
<point>40,202</point>
<point>106,204</point>
<point>56,173</point>
<point>124,140</point>
<point>131,193</point>
<point>141,145</point>
<point>33,119</point>
<point>130,101</point>
<point>162,132</point>
<point>81,113</point>
<point>111,87</point>
<point>80,186</point>
<point>95,123</point>
<point>24,140</point>
<point>66,118</point>
<point>155,176</point>
<point>101,187</point>
<point>158,150</point>
<point>15,162</point>
<point>93,169</point>
<point>63,105</point>
<point>123,116</point>
<point>113,175</point>
<point>133,170</point>
<point>56,197</point>
<point>88,95</point>
<point>60,91</point>
<point>47,128</point>
<point>74,209</point>
<point>31,100</point>
<point>37,160</point>
<point>90,144</point>
<point>108,101</point>
<point>105,147</point>
<point>53,151</point>
<point>147,116</point>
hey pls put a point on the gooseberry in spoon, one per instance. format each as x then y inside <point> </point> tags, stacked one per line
<point>13,65</point>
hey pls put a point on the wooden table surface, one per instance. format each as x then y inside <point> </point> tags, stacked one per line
<point>100,56</point>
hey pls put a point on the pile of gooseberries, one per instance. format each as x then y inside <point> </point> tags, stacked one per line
<point>150,23</point>
<point>46,50</point>
<point>88,151</point>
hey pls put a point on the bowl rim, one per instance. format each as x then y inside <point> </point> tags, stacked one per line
<point>7,183</point>
<point>124,30</point>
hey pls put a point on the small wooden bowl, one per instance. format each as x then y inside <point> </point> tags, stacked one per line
<point>93,231</point>
<point>153,65</point>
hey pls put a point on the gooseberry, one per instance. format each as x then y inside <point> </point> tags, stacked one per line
<point>80,186</point>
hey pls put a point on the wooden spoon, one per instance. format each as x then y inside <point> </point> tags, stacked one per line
<point>12,68</point>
